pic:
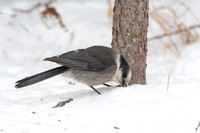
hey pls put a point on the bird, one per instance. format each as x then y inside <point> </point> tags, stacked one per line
<point>92,66</point>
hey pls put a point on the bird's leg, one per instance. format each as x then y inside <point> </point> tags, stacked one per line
<point>106,85</point>
<point>95,90</point>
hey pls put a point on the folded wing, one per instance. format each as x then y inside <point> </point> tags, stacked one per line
<point>81,59</point>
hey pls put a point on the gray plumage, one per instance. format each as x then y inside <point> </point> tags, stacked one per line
<point>92,66</point>
<point>96,58</point>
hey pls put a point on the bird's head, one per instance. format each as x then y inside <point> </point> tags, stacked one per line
<point>123,75</point>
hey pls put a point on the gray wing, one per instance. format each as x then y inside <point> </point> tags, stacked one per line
<point>95,58</point>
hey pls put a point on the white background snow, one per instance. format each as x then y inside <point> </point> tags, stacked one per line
<point>25,42</point>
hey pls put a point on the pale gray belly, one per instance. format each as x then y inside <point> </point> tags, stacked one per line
<point>93,78</point>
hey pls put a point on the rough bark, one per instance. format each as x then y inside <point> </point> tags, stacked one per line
<point>129,37</point>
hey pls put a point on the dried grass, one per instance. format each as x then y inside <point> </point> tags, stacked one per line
<point>171,24</point>
<point>110,9</point>
<point>48,14</point>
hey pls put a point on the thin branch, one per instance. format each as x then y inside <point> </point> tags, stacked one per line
<point>197,127</point>
<point>164,24</point>
<point>173,33</point>
<point>46,4</point>
<point>48,11</point>
<point>28,10</point>
<point>62,103</point>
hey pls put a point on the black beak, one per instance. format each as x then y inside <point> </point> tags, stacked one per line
<point>124,84</point>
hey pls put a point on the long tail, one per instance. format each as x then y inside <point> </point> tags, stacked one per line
<point>40,76</point>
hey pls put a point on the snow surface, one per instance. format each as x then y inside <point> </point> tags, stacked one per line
<point>25,42</point>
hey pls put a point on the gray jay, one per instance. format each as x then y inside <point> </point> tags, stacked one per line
<point>92,66</point>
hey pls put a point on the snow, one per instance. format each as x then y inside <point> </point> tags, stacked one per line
<point>25,42</point>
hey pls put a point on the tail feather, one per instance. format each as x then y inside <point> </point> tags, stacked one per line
<point>40,76</point>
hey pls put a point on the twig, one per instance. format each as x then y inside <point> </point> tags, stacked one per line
<point>28,10</point>
<point>168,82</point>
<point>51,11</point>
<point>46,4</point>
<point>197,127</point>
<point>62,103</point>
<point>174,32</point>
<point>116,128</point>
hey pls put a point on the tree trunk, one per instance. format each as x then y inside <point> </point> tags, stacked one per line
<point>129,35</point>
